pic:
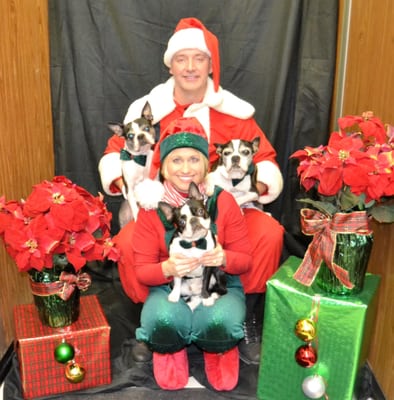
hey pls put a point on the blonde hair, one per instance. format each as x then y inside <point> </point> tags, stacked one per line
<point>164,170</point>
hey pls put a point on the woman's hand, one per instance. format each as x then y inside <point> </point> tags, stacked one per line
<point>214,258</point>
<point>179,265</point>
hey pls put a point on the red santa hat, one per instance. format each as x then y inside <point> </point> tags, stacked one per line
<point>190,33</point>
<point>182,132</point>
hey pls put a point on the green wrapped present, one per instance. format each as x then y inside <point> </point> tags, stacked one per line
<point>313,344</point>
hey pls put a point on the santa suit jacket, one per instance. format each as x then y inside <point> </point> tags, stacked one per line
<point>223,116</point>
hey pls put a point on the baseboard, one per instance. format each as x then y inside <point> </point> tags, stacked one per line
<point>5,363</point>
<point>367,386</point>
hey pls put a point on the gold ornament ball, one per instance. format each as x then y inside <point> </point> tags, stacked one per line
<point>305,329</point>
<point>74,372</point>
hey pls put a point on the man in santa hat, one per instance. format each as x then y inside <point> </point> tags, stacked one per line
<point>192,56</point>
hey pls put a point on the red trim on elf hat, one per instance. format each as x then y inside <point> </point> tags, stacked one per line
<point>184,126</point>
<point>187,36</point>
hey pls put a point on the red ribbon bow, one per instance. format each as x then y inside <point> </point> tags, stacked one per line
<point>322,248</point>
<point>64,287</point>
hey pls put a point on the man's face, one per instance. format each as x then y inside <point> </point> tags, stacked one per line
<point>190,69</point>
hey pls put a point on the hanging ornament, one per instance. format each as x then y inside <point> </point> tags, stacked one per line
<point>74,372</point>
<point>314,387</point>
<point>306,356</point>
<point>305,329</point>
<point>64,352</point>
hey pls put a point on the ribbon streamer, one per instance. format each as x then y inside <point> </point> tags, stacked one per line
<point>64,287</point>
<point>322,248</point>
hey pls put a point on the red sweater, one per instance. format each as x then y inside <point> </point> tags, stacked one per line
<point>150,249</point>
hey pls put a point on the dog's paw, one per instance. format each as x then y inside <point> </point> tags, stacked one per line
<point>173,297</point>
<point>210,301</point>
<point>148,193</point>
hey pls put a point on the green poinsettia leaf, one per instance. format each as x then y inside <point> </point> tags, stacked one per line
<point>383,213</point>
<point>324,207</point>
<point>348,201</point>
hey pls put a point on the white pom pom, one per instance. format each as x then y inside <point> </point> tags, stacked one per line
<point>148,193</point>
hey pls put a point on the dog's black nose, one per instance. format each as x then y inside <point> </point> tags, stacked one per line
<point>235,159</point>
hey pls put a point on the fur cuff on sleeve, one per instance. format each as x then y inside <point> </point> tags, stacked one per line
<point>269,173</point>
<point>148,193</point>
<point>110,169</point>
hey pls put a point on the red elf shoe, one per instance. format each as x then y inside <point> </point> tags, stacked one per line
<point>171,370</point>
<point>222,369</point>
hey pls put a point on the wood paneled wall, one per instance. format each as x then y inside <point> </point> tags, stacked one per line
<point>26,144</point>
<point>369,85</point>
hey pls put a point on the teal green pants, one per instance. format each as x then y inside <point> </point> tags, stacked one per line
<point>168,327</point>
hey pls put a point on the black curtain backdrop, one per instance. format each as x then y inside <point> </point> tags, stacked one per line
<point>277,54</point>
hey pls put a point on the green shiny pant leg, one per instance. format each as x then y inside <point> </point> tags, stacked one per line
<point>165,326</point>
<point>219,327</point>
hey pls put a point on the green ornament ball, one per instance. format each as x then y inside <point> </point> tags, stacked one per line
<point>64,352</point>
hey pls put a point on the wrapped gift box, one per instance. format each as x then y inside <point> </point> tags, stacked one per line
<point>343,331</point>
<point>40,373</point>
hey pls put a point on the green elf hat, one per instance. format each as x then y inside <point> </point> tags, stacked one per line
<point>180,133</point>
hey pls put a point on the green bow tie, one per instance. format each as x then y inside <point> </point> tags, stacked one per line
<point>200,244</point>
<point>127,156</point>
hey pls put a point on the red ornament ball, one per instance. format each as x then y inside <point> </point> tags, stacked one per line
<point>306,356</point>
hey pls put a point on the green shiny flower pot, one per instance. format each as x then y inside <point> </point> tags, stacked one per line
<point>53,311</point>
<point>352,253</point>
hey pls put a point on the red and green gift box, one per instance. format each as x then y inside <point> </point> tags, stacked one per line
<point>337,349</point>
<point>88,340</point>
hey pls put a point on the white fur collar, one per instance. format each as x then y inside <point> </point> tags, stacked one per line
<point>162,103</point>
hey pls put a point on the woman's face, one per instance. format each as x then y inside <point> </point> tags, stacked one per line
<point>183,166</point>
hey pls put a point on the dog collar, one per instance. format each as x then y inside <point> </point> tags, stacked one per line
<point>199,244</point>
<point>127,156</point>
<point>250,171</point>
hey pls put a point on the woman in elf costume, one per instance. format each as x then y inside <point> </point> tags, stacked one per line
<point>191,56</point>
<point>169,327</point>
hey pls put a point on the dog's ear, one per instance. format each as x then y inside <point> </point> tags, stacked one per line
<point>116,127</point>
<point>219,148</point>
<point>256,144</point>
<point>167,210</point>
<point>147,112</point>
<point>194,193</point>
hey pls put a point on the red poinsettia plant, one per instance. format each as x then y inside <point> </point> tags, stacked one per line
<point>58,217</point>
<point>354,171</point>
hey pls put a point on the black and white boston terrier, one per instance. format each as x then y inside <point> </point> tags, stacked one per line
<point>235,171</point>
<point>193,237</point>
<point>136,158</point>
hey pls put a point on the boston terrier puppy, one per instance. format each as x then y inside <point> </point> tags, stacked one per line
<point>193,237</point>
<point>136,157</point>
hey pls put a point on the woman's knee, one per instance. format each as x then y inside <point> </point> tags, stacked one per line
<point>219,327</point>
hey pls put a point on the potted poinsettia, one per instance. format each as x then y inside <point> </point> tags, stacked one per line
<point>52,235</point>
<point>353,179</point>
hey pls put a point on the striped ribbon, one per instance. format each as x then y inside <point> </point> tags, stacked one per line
<point>64,287</point>
<point>322,248</point>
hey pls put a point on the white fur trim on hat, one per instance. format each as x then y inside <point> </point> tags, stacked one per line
<point>192,38</point>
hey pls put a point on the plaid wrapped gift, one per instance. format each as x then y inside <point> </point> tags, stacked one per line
<point>344,325</point>
<point>40,373</point>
